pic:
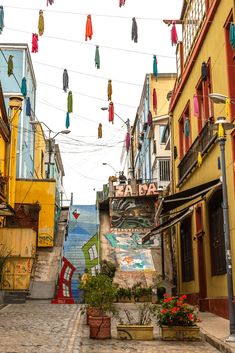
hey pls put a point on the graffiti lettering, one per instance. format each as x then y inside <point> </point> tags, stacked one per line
<point>142,190</point>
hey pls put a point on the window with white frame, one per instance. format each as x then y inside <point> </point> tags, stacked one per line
<point>194,16</point>
<point>93,252</point>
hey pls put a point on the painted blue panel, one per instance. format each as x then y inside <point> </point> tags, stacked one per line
<point>9,84</point>
<point>80,231</point>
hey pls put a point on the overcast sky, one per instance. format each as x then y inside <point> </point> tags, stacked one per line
<point>65,21</point>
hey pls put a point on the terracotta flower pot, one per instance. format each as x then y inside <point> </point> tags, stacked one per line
<point>92,312</point>
<point>100,327</point>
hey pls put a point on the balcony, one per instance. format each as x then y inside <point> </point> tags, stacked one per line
<point>202,144</point>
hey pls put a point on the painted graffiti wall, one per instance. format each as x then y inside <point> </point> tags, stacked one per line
<point>130,218</point>
<point>82,228</point>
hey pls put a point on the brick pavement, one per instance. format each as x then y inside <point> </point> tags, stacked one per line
<point>40,327</point>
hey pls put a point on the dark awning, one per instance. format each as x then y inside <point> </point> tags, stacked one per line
<point>167,224</point>
<point>180,198</point>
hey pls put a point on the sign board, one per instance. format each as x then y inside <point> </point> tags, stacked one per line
<point>136,190</point>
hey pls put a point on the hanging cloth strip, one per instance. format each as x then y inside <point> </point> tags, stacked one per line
<point>34,43</point>
<point>195,105</point>
<point>97,57</point>
<point>227,108</point>
<point>28,107</point>
<point>41,23</point>
<point>110,90</point>
<point>111,112</point>
<point>10,65</point>
<point>155,101</point>
<point>65,80</point>
<point>150,118</point>
<point>174,36</point>
<point>51,2</point>
<point>204,71</point>
<point>1,19</point>
<point>134,31</point>
<point>121,3</point>
<point>128,141</point>
<point>232,35</point>
<point>70,102</point>
<point>24,87</point>
<point>155,70</point>
<point>100,131</point>
<point>187,127</point>
<point>199,159</point>
<point>89,30</point>
<point>67,121</point>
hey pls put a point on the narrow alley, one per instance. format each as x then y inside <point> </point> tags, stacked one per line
<point>40,327</point>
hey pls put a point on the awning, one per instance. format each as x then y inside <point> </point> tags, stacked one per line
<point>6,210</point>
<point>167,224</point>
<point>168,203</point>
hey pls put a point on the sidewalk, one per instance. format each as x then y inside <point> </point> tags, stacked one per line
<point>215,330</point>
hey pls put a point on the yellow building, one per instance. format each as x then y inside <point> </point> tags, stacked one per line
<point>205,64</point>
<point>39,152</point>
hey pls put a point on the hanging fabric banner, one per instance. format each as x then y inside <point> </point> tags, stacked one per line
<point>187,127</point>
<point>134,31</point>
<point>28,107</point>
<point>174,36</point>
<point>89,30</point>
<point>1,19</point>
<point>110,90</point>
<point>155,101</point>
<point>67,121</point>
<point>155,69</point>
<point>232,35</point>
<point>121,3</point>
<point>34,43</point>
<point>128,141</point>
<point>111,112</point>
<point>65,80</point>
<point>41,23</point>
<point>199,159</point>
<point>227,108</point>
<point>24,87</point>
<point>10,65</point>
<point>150,118</point>
<point>70,102</point>
<point>97,57</point>
<point>51,2</point>
<point>100,131</point>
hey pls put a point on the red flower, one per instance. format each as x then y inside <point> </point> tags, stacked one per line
<point>174,310</point>
<point>164,311</point>
<point>191,317</point>
<point>165,295</point>
<point>167,300</point>
<point>179,303</point>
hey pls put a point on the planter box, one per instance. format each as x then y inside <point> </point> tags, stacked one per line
<point>180,333</point>
<point>100,327</point>
<point>135,332</point>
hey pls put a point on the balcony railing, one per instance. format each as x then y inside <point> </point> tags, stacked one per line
<point>202,144</point>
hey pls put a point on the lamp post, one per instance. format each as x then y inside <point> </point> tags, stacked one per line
<point>50,139</point>
<point>221,125</point>
<point>127,123</point>
<point>110,166</point>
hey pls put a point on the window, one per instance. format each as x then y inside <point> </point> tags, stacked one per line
<point>230,65</point>
<point>164,169</point>
<point>186,250</point>
<point>161,133</point>
<point>184,131</point>
<point>205,105</point>
<point>194,15</point>
<point>215,211</point>
<point>67,273</point>
<point>93,252</point>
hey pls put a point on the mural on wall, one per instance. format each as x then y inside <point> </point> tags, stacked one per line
<point>132,212</point>
<point>82,227</point>
<point>127,251</point>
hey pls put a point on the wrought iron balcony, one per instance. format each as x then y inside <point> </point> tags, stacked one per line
<point>202,143</point>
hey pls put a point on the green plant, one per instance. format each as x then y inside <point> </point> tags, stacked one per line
<point>176,312</point>
<point>143,315</point>
<point>138,291</point>
<point>108,268</point>
<point>123,293</point>
<point>99,292</point>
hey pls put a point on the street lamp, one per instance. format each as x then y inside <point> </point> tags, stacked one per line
<point>125,122</point>
<point>110,166</point>
<point>221,125</point>
<point>50,139</point>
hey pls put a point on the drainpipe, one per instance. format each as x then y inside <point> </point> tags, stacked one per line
<point>15,104</point>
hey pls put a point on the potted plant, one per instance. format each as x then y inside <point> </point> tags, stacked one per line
<point>99,293</point>
<point>139,327</point>
<point>141,293</point>
<point>124,295</point>
<point>177,319</point>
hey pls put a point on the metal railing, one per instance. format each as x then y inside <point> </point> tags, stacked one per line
<point>201,144</point>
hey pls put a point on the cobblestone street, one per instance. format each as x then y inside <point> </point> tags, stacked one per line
<point>39,327</point>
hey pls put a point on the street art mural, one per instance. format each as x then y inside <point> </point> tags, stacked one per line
<point>127,251</point>
<point>132,213</point>
<point>82,227</point>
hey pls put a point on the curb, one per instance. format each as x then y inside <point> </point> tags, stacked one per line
<point>215,342</point>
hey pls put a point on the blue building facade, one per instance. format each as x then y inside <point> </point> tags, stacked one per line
<point>22,68</point>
